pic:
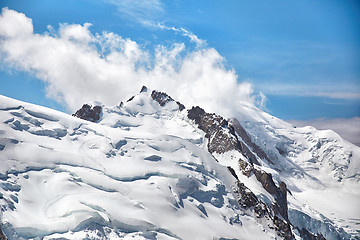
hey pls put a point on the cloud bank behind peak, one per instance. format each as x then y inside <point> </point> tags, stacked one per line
<point>347,128</point>
<point>79,66</point>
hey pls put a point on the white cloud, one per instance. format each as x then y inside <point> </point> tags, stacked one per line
<point>147,13</point>
<point>142,11</point>
<point>15,25</point>
<point>76,32</point>
<point>199,42</point>
<point>79,66</point>
<point>347,128</point>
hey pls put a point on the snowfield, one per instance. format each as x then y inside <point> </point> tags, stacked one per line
<point>321,170</point>
<point>143,171</point>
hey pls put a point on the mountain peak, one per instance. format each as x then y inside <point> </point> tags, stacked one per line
<point>172,173</point>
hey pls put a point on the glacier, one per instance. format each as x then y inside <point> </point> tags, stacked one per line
<point>147,170</point>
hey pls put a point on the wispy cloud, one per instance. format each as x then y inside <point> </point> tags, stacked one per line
<point>336,91</point>
<point>79,66</point>
<point>199,42</point>
<point>145,12</point>
<point>149,13</point>
<point>347,128</point>
<point>339,95</point>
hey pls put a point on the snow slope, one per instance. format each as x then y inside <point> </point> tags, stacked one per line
<point>142,172</point>
<point>321,170</point>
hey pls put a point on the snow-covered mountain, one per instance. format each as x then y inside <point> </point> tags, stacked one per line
<point>152,169</point>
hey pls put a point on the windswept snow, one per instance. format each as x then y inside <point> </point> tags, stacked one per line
<point>142,172</point>
<point>321,170</point>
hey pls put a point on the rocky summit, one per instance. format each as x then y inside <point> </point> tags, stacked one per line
<point>150,168</point>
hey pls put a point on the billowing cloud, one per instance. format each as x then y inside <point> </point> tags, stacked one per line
<point>347,128</point>
<point>79,66</point>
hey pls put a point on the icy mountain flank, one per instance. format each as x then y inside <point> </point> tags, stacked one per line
<point>152,169</point>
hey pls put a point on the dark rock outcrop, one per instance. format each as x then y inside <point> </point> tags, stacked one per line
<point>221,133</point>
<point>279,208</point>
<point>143,89</point>
<point>218,131</point>
<point>232,171</point>
<point>89,113</point>
<point>283,228</point>
<point>130,99</point>
<point>279,193</point>
<point>163,98</point>
<point>306,235</point>
<point>248,200</point>
<point>223,137</point>
<point>245,137</point>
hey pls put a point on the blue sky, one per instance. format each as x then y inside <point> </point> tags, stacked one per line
<point>304,56</point>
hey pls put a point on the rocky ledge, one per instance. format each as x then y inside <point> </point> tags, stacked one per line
<point>249,201</point>
<point>89,113</point>
<point>220,133</point>
<point>163,98</point>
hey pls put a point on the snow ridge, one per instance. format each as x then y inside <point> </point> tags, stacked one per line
<point>151,169</point>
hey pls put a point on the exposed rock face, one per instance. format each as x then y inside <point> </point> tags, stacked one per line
<point>248,200</point>
<point>220,132</point>
<point>89,113</point>
<point>280,193</point>
<point>163,98</point>
<point>306,235</point>
<point>245,137</point>
<point>279,208</point>
<point>283,228</point>
<point>217,131</point>
<point>222,138</point>
<point>143,89</point>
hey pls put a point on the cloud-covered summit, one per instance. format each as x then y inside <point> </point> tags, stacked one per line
<point>78,66</point>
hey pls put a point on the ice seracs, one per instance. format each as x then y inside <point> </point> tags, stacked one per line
<point>152,169</point>
<point>141,171</point>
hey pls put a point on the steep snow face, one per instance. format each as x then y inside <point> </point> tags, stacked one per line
<point>321,170</point>
<point>142,172</point>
